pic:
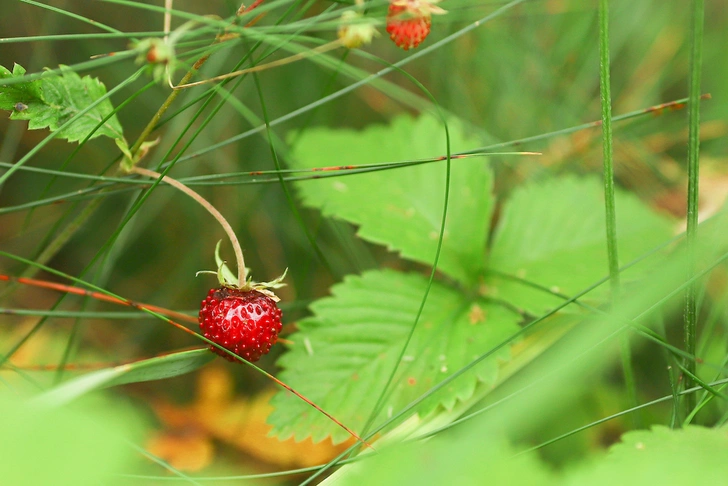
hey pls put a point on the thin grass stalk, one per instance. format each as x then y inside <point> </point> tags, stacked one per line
<point>609,203</point>
<point>691,307</point>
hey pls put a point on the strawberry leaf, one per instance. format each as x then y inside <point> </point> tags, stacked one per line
<point>54,99</point>
<point>402,208</point>
<point>28,93</point>
<point>661,456</point>
<point>343,355</point>
<point>88,443</point>
<point>553,233</point>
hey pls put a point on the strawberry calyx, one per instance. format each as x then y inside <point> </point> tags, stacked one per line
<point>418,8</point>
<point>228,279</point>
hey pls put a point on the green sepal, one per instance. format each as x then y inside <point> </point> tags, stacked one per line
<point>226,277</point>
<point>157,54</point>
<point>127,162</point>
<point>130,160</point>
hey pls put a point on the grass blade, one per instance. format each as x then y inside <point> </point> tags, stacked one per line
<point>690,319</point>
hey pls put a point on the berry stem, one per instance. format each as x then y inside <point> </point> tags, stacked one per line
<point>210,208</point>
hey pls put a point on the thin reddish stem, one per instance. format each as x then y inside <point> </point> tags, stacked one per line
<point>309,402</point>
<point>98,296</point>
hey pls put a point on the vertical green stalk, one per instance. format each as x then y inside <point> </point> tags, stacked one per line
<point>606,98</point>
<point>609,204</point>
<point>696,55</point>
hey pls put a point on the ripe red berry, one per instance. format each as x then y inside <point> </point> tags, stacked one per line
<point>246,322</point>
<point>406,28</point>
<point>408,21</point>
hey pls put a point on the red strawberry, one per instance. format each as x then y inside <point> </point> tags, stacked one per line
<point>408,21</point>
<point>246,322</point>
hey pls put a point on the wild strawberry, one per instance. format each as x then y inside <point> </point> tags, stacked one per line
<point>246,322</point>
<point>408,21</point>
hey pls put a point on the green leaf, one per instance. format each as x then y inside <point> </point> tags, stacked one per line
<point>83,444</point>
<point>553,233</point>
<point>447,459</point>
<point>54,99</point>
<point>402,208</point>
<point>28,93</point>
<point>158,368</point>
<point>342,356</point>
<point>662,456</point>
<point>163,367</point>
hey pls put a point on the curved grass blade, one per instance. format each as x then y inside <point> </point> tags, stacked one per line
<point>158,368</point>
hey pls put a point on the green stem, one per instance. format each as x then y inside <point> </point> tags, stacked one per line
<point>629,379</point>
<point>170,99</point>
<point>608,153</point>
<point>162,109</point>
<point>690,317</point>
<point>609,202</point>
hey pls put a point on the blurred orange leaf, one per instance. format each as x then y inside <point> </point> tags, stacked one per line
<point>217,415</point>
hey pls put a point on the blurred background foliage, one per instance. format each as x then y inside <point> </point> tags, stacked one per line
<point>530,71</point>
